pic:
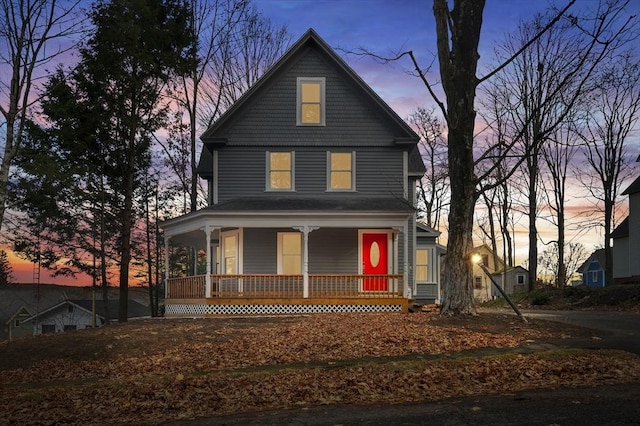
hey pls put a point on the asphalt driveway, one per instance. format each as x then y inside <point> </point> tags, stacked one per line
<point>621,330</point>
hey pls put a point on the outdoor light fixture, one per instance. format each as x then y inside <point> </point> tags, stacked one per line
<point>477,259</point>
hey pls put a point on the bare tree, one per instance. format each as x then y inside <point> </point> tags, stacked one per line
<point>34,33</point>
<point>458,34</point>
<point>558,156</point>
<point>544,83</point>
<point>574,255</point>
<point>433,187</point>
<point>233,46</point>
<point>612,115</point>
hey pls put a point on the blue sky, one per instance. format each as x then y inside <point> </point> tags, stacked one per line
<point>387,27</point>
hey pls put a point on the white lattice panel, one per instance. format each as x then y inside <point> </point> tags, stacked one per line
<point>201,310</point>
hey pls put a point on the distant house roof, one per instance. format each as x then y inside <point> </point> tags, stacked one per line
<point>598,256</point>
<point>426,230</point>
<point>501,263</point>
<point>134,309</point>
<point>621,230</point>
<point>512,269</point>
<point>633,188</point>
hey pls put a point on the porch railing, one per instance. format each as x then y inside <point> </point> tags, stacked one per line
<point>287,286</point>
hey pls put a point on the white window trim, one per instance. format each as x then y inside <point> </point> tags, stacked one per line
<point>239,261</point>
<point>280,253</point>
<point>299,82</point>
<point>429,251</point>
<point>268,172</point>
<point>353,172</point>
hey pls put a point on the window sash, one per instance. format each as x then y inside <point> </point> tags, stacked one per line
<point>422,265</point>
<point>311,101</point>
<point>340,169</point>
<point>289,253</point>
<point>280,171</point>
<point>230,254</point>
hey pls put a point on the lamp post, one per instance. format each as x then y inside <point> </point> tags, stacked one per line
<point>477,259</point>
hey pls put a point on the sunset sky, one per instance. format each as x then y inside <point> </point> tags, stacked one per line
<point>388,27</point>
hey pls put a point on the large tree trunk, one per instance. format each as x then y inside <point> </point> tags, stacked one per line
<point>458,64</point>
<point>533,230</point>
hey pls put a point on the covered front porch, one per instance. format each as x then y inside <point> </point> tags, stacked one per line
<point>273,294</point>
<point>331,262</point>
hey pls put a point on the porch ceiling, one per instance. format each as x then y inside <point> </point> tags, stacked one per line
<point>290,213</point>
<point>195,239</point>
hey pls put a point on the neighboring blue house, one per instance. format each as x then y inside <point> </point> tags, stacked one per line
<point>311,204</point>
<point>592,270</point>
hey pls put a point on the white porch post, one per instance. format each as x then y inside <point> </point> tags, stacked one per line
<point>395,253</point>
<point>166,265</point>
<point>305,257</point>
<point>207,278</point>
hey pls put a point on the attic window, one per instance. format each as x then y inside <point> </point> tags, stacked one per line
<point>310,101</point>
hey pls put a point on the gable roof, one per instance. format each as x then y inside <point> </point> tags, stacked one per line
<point>511,270</point>
<point>311,39</point>
<point>621,230</point>
<point>597,256</point>
<point>633,188</point>
<point>134,309</point>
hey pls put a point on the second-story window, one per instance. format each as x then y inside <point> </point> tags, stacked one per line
<point>341,171</point>
<point>280,171</point>
<point>310,103</point>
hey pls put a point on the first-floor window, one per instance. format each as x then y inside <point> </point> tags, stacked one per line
<point>594,276</point>
<point>520,279</point>
<point>230,260</point>
<point>289,253</point>
<point>422,264</point>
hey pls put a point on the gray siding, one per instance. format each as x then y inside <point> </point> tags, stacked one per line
<point>333,251</point>
<point>242,173</point>
<point>260,248</point>
<point>270,119</point>
<point>621,258</point>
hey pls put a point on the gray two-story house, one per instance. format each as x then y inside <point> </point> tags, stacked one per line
<point>311,199</point>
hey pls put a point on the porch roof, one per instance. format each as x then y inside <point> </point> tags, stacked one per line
<point>290,204</point>
<point>290,212</point>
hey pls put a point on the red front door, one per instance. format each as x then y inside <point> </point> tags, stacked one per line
<point>375,261</point>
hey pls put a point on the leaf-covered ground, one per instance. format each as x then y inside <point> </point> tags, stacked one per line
<point>154,371</point>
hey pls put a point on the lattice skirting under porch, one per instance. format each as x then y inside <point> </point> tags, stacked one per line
<point>183,309</point>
